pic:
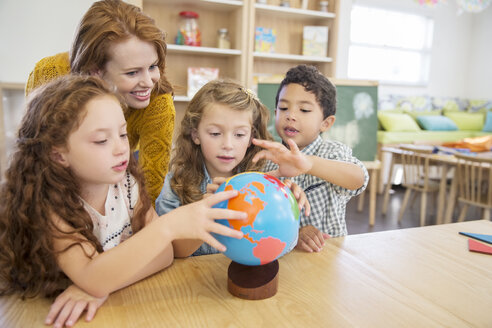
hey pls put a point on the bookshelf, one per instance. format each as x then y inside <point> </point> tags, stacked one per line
<point>241,62</point>
<point>213,15</point>
<point>289,24</point>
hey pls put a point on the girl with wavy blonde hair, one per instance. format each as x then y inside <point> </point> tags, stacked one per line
<point>214,143</point>
<point>73,193</point>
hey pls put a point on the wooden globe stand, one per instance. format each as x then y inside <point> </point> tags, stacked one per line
<point>253,282</point>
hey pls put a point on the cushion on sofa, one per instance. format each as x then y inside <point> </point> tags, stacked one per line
<point>467,121</point>
<point>450,104</point>
<point>436,123</point>
<point>414,115</point>
<point>398,122</point>
<point>487,127</point>
<point>415,104</point>
<point>479,105</point>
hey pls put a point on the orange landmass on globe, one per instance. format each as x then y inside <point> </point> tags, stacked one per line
<point>239,203</point>
<point>267,249</point>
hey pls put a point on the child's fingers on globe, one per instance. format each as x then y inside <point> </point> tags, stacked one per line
<point>214,243</point>
<point>220,197</point>
<point>307,208</point>
<point>226,231</point>
<point>221,214</point>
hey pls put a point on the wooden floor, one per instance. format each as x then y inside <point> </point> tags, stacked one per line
<point>358,222</point>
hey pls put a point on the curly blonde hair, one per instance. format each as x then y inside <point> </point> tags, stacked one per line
<point>187,161</point>
<point>36,188</point>
<point>110,21</point>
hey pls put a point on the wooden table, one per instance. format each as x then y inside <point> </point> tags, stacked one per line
<point>418,277</point>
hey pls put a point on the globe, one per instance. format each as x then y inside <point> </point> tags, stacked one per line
<point>272,226</point>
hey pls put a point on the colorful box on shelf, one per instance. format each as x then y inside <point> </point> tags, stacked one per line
<point>265,39</point>
<point>199,76</point>
<point>315,41</point>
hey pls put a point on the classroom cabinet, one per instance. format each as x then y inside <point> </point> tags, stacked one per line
<point>242,62</point>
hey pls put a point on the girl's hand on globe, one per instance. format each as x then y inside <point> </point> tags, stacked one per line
<point>197,220</point>
<point>212,187</point>
<point>300,196</point>
<point>311,239</point>
<point>291,162</point>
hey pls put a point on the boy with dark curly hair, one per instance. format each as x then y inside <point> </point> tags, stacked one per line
<point>305,107</point>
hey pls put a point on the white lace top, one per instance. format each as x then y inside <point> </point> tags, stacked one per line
<point>114,227</point>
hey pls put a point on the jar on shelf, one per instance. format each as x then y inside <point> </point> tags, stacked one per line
<point>188,32</point>
<point>223,40</point>
<point>285,3</point>
<point>323,6</point>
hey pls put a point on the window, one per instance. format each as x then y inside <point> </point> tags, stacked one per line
<point>390,46</point>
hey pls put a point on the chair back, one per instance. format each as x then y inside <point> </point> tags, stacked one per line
<point>415,164</point>
<point>474,175</point>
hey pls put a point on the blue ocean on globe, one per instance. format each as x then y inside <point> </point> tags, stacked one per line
<point>272,227</point>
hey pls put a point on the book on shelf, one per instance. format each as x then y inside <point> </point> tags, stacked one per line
<point>265,39</point>
<point>199,76</point>
<point>315,41</point>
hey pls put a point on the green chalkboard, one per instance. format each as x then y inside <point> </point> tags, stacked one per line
<point>356,119</point>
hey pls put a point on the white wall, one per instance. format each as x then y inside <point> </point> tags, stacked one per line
<point>33,29</point>
<point>479,79</point>
<point>461,56</point>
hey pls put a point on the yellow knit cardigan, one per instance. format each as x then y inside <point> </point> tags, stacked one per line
<point>149,129</point>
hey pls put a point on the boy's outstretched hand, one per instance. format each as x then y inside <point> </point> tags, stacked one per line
<point>291,162</point>
<point>311,239</point>
<point>70,305</point>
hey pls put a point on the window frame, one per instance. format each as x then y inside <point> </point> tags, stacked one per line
<point>425,51</point>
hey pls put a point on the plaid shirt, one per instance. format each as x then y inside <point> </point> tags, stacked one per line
<point>327,200</point>
<point>168,201</point>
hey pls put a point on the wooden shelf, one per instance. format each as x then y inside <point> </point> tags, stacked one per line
<point>293,13</point>
<point>289,23</point>
<point>181,98</point>
<point>289,57</point>
<point>218,5</point>
<point>179,49</point>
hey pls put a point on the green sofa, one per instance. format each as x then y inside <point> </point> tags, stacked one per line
<point>433,120</point>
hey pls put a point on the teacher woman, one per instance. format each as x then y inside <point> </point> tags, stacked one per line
<point>118,42</point>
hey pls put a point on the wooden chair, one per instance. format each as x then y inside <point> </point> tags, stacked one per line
<point>395,159</point>
<point>373,167</point>
<point>474,183</point>
<point>416,177</point>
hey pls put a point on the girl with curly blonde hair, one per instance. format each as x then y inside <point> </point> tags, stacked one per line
<point>214,143</point>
